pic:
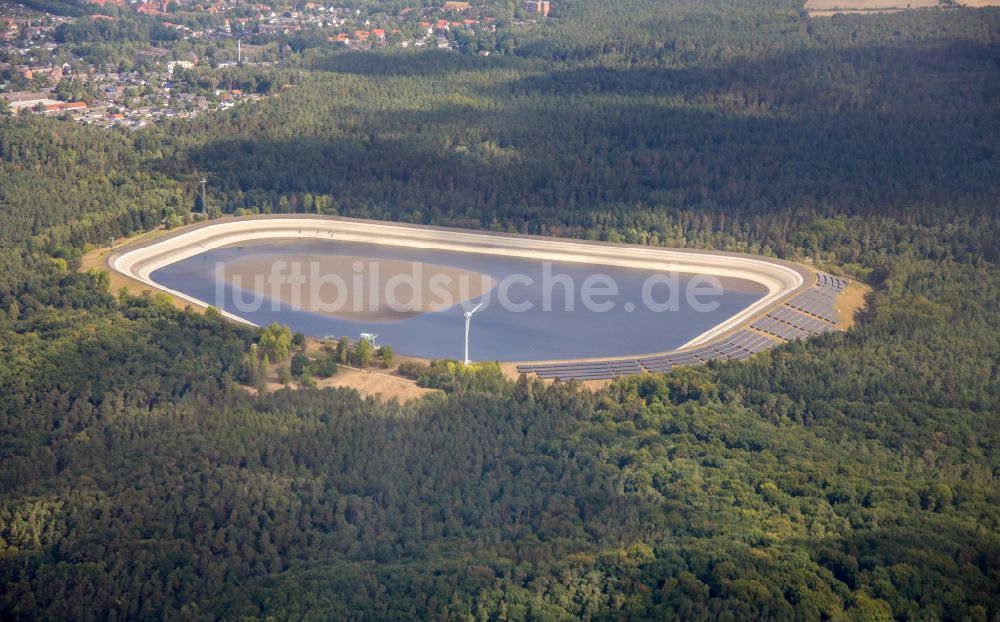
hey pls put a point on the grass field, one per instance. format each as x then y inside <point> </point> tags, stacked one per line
<point>826,8</point>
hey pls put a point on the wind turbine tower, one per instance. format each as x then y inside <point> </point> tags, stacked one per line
<point>204,205</point>
<point>468,318</point>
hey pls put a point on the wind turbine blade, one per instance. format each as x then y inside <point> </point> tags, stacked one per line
<point>476,308</point>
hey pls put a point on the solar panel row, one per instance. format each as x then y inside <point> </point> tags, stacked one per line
<point>740,346</point>
<point>752,342</point>
<point>796,318</point>
<point>825,311</point>
<point>779,329</point>
<point>809,312</point>
<point>596,370</point>
<point>759,344</point>
<point>812,324</point>
<point>825,280</point>
<point>811,296</point>
<point>815,303</point>
<point>826,327</point>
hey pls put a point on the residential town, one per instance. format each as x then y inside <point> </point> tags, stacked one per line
<point>128,64</point>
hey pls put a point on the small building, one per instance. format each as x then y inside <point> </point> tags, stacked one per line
<point>21,100</point>
<point>56,107</point>
<point>183,64</point>
<point>148,8</point>
<point>537,6</point>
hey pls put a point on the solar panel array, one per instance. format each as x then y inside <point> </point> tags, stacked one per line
<point>805,314</point>
<point>594,370</point>
<point>739,346</point>
<point>808,313</point>
<point>814,304</point>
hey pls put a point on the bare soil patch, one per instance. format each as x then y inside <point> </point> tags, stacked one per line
<point>868,5</point>
<point>356,288</point>
<point>852,301</point>
<point>380,383</point>
<point>828,8</point>
<point>376,383</point>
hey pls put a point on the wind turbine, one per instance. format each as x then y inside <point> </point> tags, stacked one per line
<point>468,317</point>
<point>204,206</point>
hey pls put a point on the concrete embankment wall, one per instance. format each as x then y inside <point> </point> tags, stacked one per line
<point>778,277</point>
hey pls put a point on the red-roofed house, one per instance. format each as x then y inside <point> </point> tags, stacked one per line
<point>361,35</point>
<point>378,33</point>
<point>64,106</point>
<point>148,8</point>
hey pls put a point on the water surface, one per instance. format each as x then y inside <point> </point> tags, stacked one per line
<point>497,333</point>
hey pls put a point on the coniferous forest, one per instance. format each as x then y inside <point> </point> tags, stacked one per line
<point>852,476</point>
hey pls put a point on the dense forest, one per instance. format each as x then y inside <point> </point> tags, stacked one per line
<point>853,476</point>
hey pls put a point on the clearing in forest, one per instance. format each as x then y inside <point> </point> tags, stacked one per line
<point>826,8</point>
